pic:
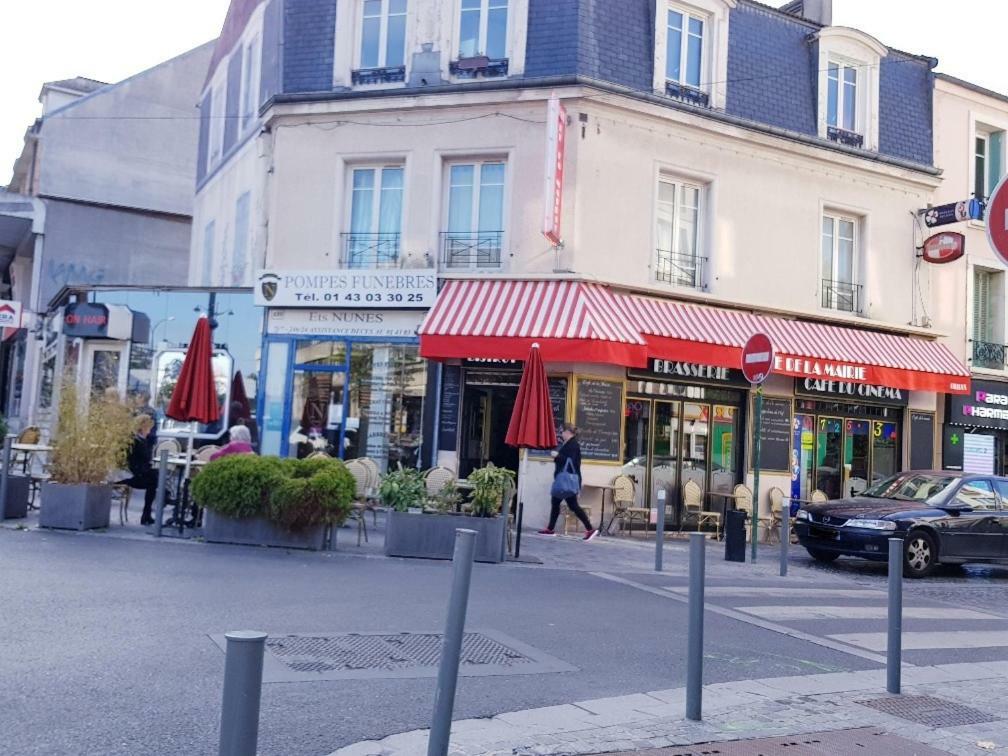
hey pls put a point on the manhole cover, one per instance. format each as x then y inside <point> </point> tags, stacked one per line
<point>930,711</point>
<point>863,742</point>
<point>297,657</point>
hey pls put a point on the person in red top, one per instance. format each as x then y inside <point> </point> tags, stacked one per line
<point>240,443</point>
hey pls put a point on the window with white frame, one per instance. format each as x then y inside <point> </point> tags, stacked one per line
<point>376,208</point>
<point>840,289</point>
<point>677,232</point>
<point>842,96</point>
<point>250,81</point>
<point>989,350</point>
<point>239,259</point>
<point>988,162</point>
<point>208,248</point>
<point>217,104</point>
<point>483,27</point>
<point>475,214</point>
<point>684,47</point>
<point>383,34</point>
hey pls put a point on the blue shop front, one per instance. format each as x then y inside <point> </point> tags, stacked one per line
<point>341,370</point>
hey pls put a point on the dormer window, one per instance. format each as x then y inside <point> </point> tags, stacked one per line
<point>483,28</point>
<point>382,42</point>
<point>848,85</point>
<point>691,50</point>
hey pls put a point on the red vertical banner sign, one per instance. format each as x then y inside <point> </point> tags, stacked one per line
<point>556,136</point>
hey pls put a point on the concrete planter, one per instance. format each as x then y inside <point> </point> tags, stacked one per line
<point>432,536</point>
<point>18,487</point>
<point>258,531</point>
<point>75,507</point>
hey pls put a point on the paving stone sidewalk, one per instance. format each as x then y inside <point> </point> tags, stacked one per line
<point>735,711</point>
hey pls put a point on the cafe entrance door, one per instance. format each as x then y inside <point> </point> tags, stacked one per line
<point>668,442</point>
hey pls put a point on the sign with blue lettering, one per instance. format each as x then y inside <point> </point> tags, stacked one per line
<point>953,212</point>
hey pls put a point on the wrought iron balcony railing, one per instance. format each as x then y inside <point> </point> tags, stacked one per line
<point>370,250</point>
<point>849,138</point>
<point>480,249</point>
<point>988,355</point>
<point>478,66</point>
<point>687,94</point>
<point>387,75</point>
<point>680,269</point>
<point>841,295</point>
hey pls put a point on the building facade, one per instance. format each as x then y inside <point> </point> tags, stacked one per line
<point>106,178</point>
<point>726,167</point>
<point>969,301</point>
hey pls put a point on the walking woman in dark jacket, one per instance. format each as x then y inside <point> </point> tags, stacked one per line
<point>569,451</point>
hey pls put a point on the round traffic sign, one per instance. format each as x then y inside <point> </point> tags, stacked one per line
<point>757,358</point>
<point>997,220</point>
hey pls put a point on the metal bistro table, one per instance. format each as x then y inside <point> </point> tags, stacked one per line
<point>177,492</point>
<point>29,451</point>
<point>603,487</point>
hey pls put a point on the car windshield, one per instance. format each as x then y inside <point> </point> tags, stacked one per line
<point>910,486</point>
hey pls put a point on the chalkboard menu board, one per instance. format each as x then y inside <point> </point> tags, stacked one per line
<point>558,399</point>
<point>599,418</point>
<point>775,435</point>
<point>922,431</point>
<point>451,390</point>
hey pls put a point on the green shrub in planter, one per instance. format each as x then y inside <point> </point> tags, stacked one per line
<point>238,485</point>
<point>293,493</point>
<point>402,489</point>
<point>315,495</point>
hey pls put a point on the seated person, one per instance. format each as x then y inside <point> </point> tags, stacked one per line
<point>139,462</point>
<point>240,443</point>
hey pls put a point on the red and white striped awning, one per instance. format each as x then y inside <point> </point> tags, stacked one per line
<point>804,349</point>
<point>492,319</point>
<point>586,322</point>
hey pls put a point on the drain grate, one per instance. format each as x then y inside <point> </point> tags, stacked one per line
<point>831,743</point>
<point>296,657</point>
<point>930,711</point>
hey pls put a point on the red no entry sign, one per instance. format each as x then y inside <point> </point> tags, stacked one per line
<point>997,220</point>
<point>757,358</point>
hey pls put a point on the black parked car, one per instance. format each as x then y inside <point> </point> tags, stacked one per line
<point>942,517</point>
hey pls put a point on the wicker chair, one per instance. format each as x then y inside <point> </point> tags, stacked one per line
<point>744,503</point>
<point>361,476</point>
<point>170,445</point>
<point>776,497</point>
<point>692,496</point>
<point>319,455</point>
<point>437,478</point>
<point>204,453</point>
<point>818,497</point>
<point>623,503</point>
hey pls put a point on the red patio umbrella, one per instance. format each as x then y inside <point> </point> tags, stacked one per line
<point>238,395</point>
<point>194,399</point>
<point>532,424</point>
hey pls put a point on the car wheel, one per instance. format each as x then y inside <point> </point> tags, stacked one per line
<point>920,554</point>
<point>823,556</point>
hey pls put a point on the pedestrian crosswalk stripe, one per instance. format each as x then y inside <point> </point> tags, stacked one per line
<point>731,590</point>
<point>786,612</point>
<point>928,640</point>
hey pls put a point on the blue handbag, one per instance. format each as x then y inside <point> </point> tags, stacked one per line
<point>566,485</point>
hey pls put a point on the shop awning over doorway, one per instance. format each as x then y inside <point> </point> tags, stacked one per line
<point>493,319</point>
<point>804,349</point>
<point>588,322</point>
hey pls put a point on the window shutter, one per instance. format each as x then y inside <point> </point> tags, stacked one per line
<point>995,160</point>
<point>981,306</point>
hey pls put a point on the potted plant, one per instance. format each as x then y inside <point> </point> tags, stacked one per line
<point>432,536</point>
<point>91,441</point>
<point>403,490</point>
<point>267,501</point>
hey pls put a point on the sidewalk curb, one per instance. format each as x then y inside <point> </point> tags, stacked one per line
<point>655,719</point>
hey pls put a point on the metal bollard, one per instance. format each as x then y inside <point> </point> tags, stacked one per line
<point>659,530</point>
<point>243,666</point>
<point>785,536</point>
<point>162,480</point>
<point>451,646</point>
<point>894,646</point>
<point>518,527</point>
<point>694,651</point>
<point>8,440</point>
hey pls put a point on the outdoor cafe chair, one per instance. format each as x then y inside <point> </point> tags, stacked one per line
<point>360,475</point>
<point>623,503</point>
<point>692,496</point>
<point>170,445</point>
<point>818,497</point>
<point>204,453</point>
<point>744,503</point>
<point>436,479</point>
<point>776,497</point>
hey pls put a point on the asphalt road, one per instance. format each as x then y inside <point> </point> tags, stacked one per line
<point>107,648</point>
